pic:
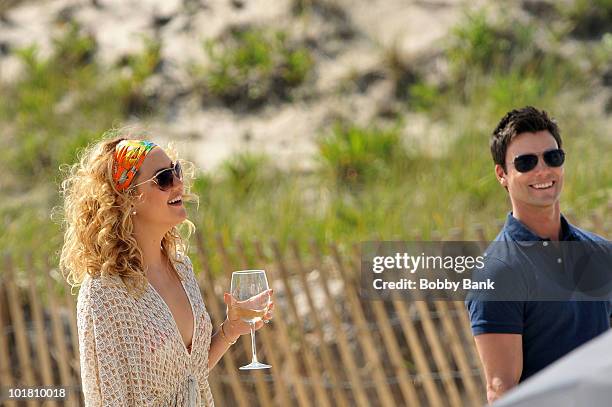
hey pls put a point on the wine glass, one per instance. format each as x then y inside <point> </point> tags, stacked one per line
<point>250,289</point>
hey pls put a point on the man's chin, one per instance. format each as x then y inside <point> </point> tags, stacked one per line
<point>537,200</point>
<point>544,202</point>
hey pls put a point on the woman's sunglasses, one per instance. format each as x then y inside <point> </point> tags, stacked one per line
<point>527,162</point>
<point>165,178</point>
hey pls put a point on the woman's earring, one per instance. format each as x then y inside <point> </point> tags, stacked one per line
<point>133,212</point>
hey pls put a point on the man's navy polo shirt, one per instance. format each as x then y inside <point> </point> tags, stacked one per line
<point>549,329</point>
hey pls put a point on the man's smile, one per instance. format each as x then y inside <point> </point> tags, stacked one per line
<point>543,185</point>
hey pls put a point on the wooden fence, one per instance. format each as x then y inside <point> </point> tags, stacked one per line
<point>327,345</point>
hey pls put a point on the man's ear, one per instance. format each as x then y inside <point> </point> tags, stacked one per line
<point>501,175</point>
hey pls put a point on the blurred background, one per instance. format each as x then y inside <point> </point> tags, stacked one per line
<point>315,124</point>
<point>353,119</point>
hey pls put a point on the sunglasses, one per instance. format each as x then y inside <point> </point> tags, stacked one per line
<point>165,178</point>
<point>527,162</point>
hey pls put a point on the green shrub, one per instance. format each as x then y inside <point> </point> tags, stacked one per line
<point>145,64</point>
<point>252,65</point>
<point>402,74</point>
<point>39,114</point>
<point>60,104</point>
<point>496,64</point>
<point>423,97</point>
<point>75,48</point>
<point>354,155</point>
<point>392,192</point>
<point>297,65</point>
<point>588,18</point>
<point>246,171</point>
<point>140,67</point>
<point>481,45</point>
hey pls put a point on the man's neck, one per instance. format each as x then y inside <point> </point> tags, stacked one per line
<point>543,221</point>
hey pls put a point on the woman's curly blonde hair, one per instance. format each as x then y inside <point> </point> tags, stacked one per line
<point>98,238</point>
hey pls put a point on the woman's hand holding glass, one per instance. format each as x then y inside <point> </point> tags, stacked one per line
<point>248,307</point>
<point>235,326</point>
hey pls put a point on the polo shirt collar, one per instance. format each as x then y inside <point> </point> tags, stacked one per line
<point>521,233</point>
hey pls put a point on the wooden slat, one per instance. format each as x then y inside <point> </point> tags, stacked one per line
<point>42,347</point>
<point>70,303</point>
<point>346,354</point>
<point>314,371</point>
<point>464,319</point>
<point>367,345</point>
<point>219,314</point>
<point>463,322</point>
<point>395,355</point>
<point>21,339</point>
<point>263,395</point>
<point>438,354</point>
<point>216,386</point>
<point>6,373</point>
<point>75,360</point>
<point>293,373</point>
<point>433,341</point>
<point>332,369</point>
<point>417,351</point>
<point>458,352</point>
<point>415,346</point>
<point>61,357</point>
<point>453,333</point>
<point>270,349</point>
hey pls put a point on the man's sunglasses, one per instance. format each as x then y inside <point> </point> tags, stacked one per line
<point>527,162</point>
<point>165,178</point>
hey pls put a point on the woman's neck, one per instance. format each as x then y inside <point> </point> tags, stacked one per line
<point>154,260</point>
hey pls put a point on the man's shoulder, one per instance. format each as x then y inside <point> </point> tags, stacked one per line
<point>503,236</point>
<point>587,236</point>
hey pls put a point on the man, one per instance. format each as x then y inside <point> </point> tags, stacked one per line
<point>516,339</point>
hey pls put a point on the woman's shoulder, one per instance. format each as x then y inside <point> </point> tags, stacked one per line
<point>100,290</point>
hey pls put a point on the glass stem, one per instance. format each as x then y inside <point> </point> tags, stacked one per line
<point>253,346</point>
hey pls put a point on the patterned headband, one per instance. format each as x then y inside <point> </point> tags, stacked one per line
<point>129,156</point>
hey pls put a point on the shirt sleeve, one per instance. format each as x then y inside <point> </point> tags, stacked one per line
<point>103,365</point>
<point>501,311</point>
<point>501,317</point>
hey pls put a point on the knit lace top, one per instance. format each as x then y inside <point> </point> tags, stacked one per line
<point>131,351</point>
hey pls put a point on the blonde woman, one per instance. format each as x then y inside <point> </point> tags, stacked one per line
<point>145,336</point>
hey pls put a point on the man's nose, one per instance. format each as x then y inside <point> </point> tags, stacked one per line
<point>541,165</point>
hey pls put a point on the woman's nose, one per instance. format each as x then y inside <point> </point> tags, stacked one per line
<point>177,181</point>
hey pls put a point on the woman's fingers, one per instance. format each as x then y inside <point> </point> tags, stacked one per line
<point>232,314</point>
<point>269,314</point>
<point>230,309</point>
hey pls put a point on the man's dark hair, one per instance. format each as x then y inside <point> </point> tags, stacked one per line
<point>515,122</point>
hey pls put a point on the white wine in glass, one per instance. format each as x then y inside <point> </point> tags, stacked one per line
<point>250,289</point>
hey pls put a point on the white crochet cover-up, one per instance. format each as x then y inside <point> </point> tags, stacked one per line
<point>132,353</point>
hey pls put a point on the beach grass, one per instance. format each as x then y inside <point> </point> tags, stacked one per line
<point>369,181</point>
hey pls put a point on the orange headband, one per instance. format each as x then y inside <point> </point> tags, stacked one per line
<point>129,156</point>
